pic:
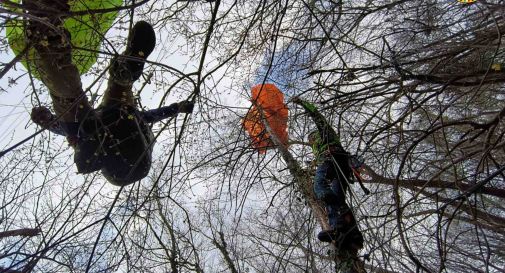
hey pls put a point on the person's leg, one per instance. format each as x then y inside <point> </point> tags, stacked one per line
<point>336,207</point>
<point>324,192</point>
<point>344,229</point>
<point>339,184</point>
<point>340,216</point>
<point>322,188</point>
<point>129,138</point>
<point>345,232</point>
<point>127,68</point>
<point>338,212</point>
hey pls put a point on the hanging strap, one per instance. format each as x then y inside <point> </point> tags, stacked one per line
<point>356,162</point>
<point>360,181</point>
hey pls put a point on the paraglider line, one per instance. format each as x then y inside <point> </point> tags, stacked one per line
<point>4,152</point>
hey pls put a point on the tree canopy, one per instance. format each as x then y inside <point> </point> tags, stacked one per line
<point>416,88</point>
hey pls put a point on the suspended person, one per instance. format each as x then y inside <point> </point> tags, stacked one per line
<point>116,137</point>
<point>331,181</point>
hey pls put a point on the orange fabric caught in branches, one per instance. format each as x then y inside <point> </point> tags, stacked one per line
<point>268,99</point>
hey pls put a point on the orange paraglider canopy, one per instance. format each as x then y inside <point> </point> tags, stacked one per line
<point>266,98</point>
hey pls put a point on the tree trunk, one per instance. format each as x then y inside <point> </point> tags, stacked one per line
<point>344,261</point>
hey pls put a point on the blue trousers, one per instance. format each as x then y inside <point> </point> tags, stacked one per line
<point>330,185</point>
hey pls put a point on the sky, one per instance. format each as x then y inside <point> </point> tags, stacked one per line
<point>287,68</point>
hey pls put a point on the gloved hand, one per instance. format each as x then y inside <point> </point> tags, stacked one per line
<point>186,106</point>
<point>42,116</point>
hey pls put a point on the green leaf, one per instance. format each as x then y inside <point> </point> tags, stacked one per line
<point>87,32</point>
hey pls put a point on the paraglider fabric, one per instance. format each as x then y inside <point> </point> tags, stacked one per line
<point>268,100</point>
<point>87,32</point>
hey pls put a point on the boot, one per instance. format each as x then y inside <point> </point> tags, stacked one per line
<point>346,234</point>
<point>339,219</point>
<point>345,240</point>
<point>329,236</point>
<point>128,67</point>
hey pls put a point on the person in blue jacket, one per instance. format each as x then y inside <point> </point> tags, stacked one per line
<point>331,179</point>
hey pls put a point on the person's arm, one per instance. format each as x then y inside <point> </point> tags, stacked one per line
<point>326,131</point>
<point>172,110</point>
<point>45,119</point>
